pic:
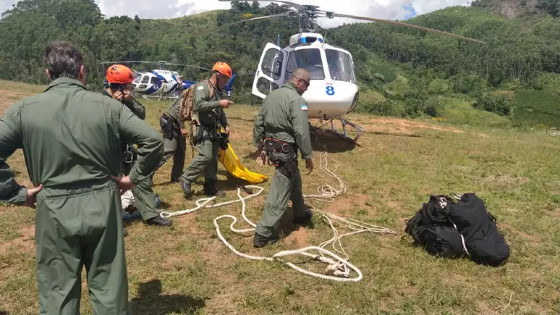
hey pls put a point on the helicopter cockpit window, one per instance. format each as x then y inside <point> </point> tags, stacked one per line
<point>153,80</point>
<point>272,63</point>
<point>309,59</point>
<point>340,65</point>
<point>145,79</point>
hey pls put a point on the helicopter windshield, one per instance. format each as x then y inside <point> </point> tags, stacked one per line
<point>340,65</point>
<point>309,59</point>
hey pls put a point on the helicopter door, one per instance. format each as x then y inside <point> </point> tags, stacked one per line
<point>270,73</point>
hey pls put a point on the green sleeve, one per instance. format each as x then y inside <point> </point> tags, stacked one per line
<point>149,142</point>
<point>202,102</point>
<point>137,108</point>
<point>258,128</point>
<point>10,141</point>
<point>301,127</point>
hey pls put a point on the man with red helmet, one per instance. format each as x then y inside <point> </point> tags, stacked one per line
<point>208,107</point>
<point>118,85</point>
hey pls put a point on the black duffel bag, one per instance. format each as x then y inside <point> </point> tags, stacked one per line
<point>485,244</point>
<point>448,229</point>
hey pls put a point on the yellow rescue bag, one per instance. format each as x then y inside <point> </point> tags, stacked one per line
<point>232,164</point>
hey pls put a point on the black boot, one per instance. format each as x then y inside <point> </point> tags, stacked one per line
<point>186,186</point>
<point>305,219</point>
<point>261,241</point>
<point>159,221</point>
<point>211,190</point>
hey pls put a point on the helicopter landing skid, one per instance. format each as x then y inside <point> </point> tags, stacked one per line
<point>358,129</point>
<point>159,97</point>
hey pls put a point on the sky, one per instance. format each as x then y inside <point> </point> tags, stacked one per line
<point>381,9</point>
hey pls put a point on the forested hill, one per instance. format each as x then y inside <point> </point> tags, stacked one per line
<point>402,72</point>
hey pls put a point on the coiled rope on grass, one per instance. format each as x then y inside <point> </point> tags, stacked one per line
<point>338,269</point>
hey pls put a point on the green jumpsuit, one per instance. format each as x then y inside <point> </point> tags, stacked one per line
<point>210,115</point>
<point>283,117</point>
<point>174,143</point>
<point>71,140</point>
<point>143,192</point>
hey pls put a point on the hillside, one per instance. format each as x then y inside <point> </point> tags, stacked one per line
<point>394,168</point>
<point>510,8</point>
<point>401,72</point>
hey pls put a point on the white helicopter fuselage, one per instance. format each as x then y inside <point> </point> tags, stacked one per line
<point>332,92</point>
<point>156,82</point>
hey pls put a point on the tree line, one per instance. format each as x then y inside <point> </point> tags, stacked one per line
<point>518,52</point>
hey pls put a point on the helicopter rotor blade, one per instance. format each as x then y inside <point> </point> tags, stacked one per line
<point>263,17</point>
<point>161,63</point>
<point>292,4</point>
<point>426,29</point>
<point>184,65</point>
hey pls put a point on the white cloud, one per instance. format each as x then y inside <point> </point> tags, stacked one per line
<point>382,9</point>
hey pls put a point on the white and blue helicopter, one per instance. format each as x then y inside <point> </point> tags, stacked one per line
<point>333,91</point>
<point>164,83</point>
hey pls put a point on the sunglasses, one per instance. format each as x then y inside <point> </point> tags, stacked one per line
<point>306,82</point>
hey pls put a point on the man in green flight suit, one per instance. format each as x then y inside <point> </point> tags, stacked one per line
<point>280,129</point>
<point>119,86</point>
<point>208,108</point>
<point>71,141</point>
<point>174,141</point>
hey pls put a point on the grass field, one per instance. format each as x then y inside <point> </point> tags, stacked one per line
<point>394,168</point>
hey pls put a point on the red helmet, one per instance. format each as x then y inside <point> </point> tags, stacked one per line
<point>222,68</point>
<point>119,74</point>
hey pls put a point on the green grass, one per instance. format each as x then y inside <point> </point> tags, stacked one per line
<point>398,164</point>
<point>537,108</point>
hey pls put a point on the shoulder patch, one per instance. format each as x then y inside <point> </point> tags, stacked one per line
<point>200,87</point>
<point>304,107</point>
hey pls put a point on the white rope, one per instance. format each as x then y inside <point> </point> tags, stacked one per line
<point>338,268</point>
<point>327,192</point>
<point>203,203</point>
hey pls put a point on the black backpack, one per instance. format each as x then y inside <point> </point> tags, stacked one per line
<point>432,229</point>
<point>451,230</point>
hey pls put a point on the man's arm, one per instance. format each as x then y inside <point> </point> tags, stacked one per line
<point>301,128</point>
<point>10,141</point>
<point>149,141</point>
<point>137,108</point>
<point>258,127</point>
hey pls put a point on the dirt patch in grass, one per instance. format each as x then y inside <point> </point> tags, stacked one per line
<point>8,98</point>
<point>24,243</point>
<point>401,126</point>
<point>349,204</point>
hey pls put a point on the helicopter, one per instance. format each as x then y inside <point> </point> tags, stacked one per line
<point>160,83</point>
<point>333,91</point>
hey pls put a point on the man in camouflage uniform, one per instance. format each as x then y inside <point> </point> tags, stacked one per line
<point>208,108</point>
<point>280,129</point>
<point>118,85</point>
<point>174,142</point>
<point>71,141</point>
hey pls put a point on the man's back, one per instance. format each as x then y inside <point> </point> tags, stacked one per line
<point>70,136</point>
<point>283,116</point>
